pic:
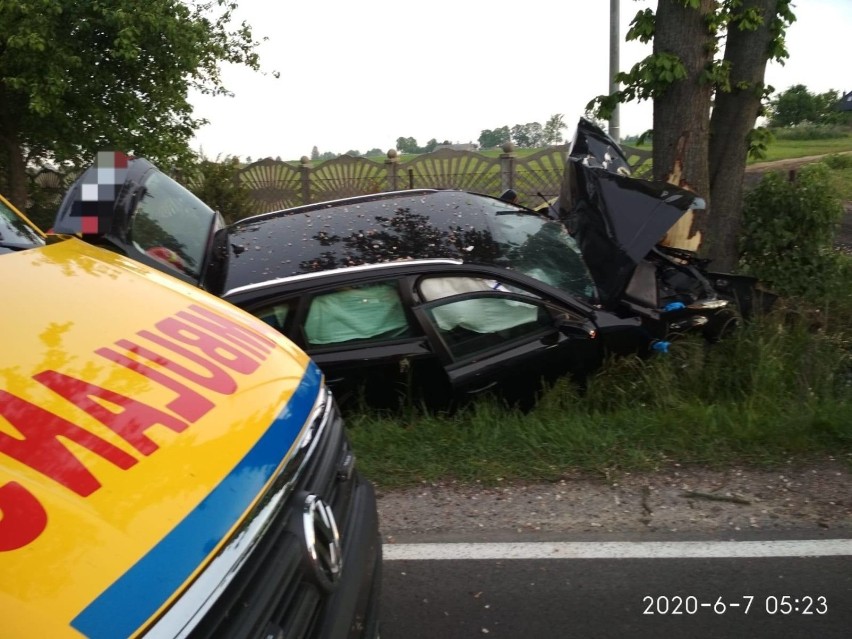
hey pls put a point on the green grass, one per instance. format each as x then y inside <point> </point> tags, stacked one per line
<point>786,149</point>
<point>841,174</point>
<point>776,389</point>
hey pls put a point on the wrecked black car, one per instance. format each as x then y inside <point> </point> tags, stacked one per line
<point>415,296</point>
<point>637,241</point>
<point>435,296</point>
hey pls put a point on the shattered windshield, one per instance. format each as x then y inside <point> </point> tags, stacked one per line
<point>542,249</point>
<point>171,225</point>
<point>15,234</point>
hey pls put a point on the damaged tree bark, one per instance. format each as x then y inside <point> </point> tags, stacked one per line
<point>706,154</point>
<point>681,112</point>
<point>747,50</point>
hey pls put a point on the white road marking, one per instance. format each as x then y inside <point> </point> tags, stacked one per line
<point>619,550</point>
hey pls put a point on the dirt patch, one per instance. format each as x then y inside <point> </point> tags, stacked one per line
<point>789,164</point>
<point>816,498</point>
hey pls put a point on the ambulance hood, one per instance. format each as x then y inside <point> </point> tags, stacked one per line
<point>141,420</point>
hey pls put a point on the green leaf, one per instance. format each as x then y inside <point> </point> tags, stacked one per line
<point>82,76</point>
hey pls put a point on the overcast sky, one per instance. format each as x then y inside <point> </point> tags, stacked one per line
<point>358,75</point>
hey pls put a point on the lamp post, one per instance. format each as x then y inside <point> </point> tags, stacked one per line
<point>614,43</point>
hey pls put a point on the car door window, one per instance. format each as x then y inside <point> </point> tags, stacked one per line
<point>481,314</point>
<point>276,315</point>
<point>355,314</point>
<point>171,225</point>
<point>433,288</point>
<point>487,321</point>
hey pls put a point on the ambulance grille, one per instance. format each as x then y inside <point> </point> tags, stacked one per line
<point>275,594</point>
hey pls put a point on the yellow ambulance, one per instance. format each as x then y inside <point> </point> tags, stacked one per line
<point>169,465</point>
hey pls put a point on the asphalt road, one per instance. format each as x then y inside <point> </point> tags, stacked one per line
<point>618,597</point>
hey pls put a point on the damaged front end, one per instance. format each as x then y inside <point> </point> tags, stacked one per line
<point>637,238</point>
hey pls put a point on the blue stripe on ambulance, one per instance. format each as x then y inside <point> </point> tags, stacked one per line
<point>137,595</point>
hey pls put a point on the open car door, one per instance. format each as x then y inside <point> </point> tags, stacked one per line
<point>490,338</point>
<point>131,207</point>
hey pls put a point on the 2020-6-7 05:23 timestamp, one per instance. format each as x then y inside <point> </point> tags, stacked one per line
<point>745,604</point>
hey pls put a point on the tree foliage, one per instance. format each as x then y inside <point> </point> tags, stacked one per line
<point>407,145</point>
<point>797,105</point>
<point>79,77</point>
<point>490,138</point>
<point>793,251</point>
<point>553,129</point>
<point>529,135</point>
<point>217,183</point>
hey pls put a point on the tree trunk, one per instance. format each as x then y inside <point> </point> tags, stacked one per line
<point>734,115</point>
<point>16,174</point>
<point>12,160</point>
<point>682,112</point>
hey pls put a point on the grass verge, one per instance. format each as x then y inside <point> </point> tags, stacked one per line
<point>781,387</point>
<point>782,149</point>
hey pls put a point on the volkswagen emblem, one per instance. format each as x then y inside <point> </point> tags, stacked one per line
<point>322,540</point>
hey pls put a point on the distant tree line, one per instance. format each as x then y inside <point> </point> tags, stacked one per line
<point>797,106</point>
<point>792,107</point>
<point>530,135</point>
<point>409,145</point>
<point>316,156</point>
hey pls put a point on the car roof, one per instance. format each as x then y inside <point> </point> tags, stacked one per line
<point>386,227</point>
<point>385,268</point>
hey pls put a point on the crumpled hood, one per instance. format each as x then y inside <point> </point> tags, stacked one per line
<point>615,218</point>
<point>131,410</point>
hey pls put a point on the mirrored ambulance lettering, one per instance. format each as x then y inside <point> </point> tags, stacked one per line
<point>24,518</point>
<point>127,418</point>
<point>217,348</point>
<point>189,404</point>
<point>258,345</point>
<point>41,449</point>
